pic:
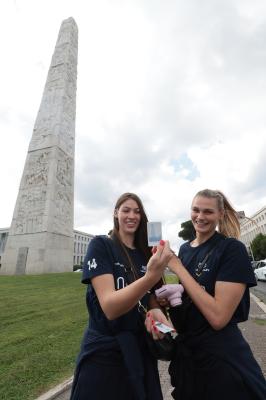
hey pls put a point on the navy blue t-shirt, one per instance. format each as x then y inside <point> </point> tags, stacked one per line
<point>101,259</point>
<point>228,262</point>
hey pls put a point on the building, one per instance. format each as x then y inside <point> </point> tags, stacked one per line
<point>81,241</point>
<point>251,227</point>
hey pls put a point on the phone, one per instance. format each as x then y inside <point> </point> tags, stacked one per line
<point>154,233</point>
<point>163,328</point>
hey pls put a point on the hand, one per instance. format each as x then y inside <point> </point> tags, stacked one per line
<point>160,258</point>
<point>156,314</point>
<point>163,301</point>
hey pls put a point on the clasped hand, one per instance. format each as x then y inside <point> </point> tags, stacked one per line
<point>162,254</point>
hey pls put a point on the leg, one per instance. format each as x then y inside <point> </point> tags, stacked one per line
<point>100,382</point>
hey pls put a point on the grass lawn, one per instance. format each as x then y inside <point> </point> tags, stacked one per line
<point>171,278</point>
<point>260,321</point>
<point>42,321</point>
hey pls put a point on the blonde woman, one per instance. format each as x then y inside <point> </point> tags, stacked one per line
<point>213,361</point>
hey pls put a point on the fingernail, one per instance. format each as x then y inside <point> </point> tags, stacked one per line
<point>162,242</point>
<point>154,249</point>
<point>152,322</point>
<point>148,314</point>
<point>155,329</point>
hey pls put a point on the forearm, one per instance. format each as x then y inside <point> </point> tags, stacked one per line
<point>204,301</point>
<point>217,309</point>
<point>119,302</point>
<point>115,303</point>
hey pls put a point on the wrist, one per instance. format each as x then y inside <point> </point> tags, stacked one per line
<point>151,279</point>
<point>175,264</point>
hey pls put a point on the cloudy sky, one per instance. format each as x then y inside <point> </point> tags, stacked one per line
<point>171,99</point>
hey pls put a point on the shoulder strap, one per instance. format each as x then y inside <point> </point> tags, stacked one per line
<point>116,250</point>
<point>199,268</point>
<point>130,269</point>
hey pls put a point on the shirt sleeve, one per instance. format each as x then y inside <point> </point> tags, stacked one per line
<point>97,261</point>
<point>235,264</point>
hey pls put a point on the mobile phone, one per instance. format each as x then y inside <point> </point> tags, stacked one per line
<point>163,328</point>
<point>154,230</point>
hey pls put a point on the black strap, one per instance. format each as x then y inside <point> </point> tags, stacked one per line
<point>130,272</point>
<point>199,269</point>
<point>115,250</point>
<point>130,268</point>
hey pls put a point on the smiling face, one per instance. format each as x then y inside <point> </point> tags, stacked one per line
<point>205,215</point>
<point>128,216</point>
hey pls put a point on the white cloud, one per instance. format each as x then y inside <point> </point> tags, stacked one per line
<point>170,100</point>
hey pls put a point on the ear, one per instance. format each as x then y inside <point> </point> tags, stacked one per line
<point>115,213</point>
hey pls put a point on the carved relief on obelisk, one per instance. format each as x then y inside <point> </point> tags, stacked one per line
<point>41,234</point>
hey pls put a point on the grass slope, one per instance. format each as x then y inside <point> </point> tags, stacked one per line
<point>42,321</point>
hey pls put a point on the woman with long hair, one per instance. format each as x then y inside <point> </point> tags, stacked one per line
<point>212,359</point>
<point>114,362</point>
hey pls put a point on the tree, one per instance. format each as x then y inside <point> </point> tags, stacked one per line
<point>258,246</point>
<point>188,231</point>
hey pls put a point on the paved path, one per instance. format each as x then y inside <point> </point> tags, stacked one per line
<point>254,332</point>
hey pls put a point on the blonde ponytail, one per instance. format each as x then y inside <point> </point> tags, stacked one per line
<point>229,224</point>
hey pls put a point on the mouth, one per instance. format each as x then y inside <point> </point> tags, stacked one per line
<point>131,224</point>
<point>201,224</point>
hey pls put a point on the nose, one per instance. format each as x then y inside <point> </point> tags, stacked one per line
<point>200,215</point>
<point>131,214</point>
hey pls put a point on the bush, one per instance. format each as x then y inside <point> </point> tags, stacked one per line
<point>77,266</point>
<point>258,246</point>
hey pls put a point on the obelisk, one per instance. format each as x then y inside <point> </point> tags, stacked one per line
<point>41,235</point>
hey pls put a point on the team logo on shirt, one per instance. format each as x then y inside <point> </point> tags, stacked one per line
<point>201,268</point>
<point>92,264</point>
<point>120,283</point>
<point>119,265</point>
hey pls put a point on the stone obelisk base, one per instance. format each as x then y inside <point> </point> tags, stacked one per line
<point>38,253</point>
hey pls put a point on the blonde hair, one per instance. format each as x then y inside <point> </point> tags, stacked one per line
<point>229,223</point>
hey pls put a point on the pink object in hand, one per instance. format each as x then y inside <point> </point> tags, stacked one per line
<point>172,291</point>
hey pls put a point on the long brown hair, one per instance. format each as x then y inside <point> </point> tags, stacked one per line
<point>229,223</point>
<point>140,239</point>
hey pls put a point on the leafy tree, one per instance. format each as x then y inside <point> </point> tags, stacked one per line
<point>258,246</point>
<point>188,231</point>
